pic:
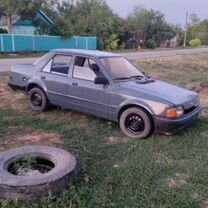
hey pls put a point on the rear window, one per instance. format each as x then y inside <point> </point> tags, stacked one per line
<point>61,64</point>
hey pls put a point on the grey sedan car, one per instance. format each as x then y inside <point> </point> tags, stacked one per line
<point>106,85</point>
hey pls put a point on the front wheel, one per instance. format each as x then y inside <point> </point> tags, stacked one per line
<point>38,100</point>
<point>135,123</point>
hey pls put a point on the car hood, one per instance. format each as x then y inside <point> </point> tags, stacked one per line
<point>162,90</point>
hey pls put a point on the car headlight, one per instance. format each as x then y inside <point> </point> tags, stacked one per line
<point>174,112</point>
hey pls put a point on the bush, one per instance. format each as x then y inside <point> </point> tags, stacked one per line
<point>195,42</point>
<point>100,44</point>
<point>112,42</point>
<point>3,31</point>
<point>150,44</point>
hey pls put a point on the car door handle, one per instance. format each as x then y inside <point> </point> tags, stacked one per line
<point>74,83</point>
<point>43,77</point>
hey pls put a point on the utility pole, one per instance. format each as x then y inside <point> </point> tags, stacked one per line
<point>186,28</point>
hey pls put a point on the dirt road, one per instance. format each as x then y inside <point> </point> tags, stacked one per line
<point>5,64</point>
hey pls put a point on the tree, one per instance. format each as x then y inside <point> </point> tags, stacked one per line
<point>150,25</point>
<point>198,29</point>
<point>91,18</point>
<point>194,19</point>
<point>125,31</point>
<point>24,8</point>
<point>61,27</point>
<point>9,8</point>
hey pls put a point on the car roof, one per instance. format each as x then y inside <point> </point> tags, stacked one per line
<point>94,53</point>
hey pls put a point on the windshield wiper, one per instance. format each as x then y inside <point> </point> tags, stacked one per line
<point>137,76</point>
<point>122,78</point>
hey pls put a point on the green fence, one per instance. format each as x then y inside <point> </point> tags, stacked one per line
<point>18,43</point>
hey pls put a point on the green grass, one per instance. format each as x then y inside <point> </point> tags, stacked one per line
<point>162,171</point>
<point>133,174</point>
<point>156,49</point>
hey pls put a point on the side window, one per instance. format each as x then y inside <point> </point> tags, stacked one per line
<point>85,68</point>
<point>47,67</point>
<point>61,64</point>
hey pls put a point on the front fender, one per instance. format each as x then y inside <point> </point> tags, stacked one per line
<point>36,82</point>
<point>154,108</point>
<point>137,103</point>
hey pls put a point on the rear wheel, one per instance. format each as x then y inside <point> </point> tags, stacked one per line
<point>38,100</point>
<point>136,123</point>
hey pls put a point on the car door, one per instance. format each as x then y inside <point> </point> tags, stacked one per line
<point>84,94</point>
<point>55,78</point>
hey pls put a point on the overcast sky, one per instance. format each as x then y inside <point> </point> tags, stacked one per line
<point>174,10</point>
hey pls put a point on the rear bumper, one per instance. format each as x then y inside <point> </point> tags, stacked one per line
<point>168,126</point>
<point>16,87</point>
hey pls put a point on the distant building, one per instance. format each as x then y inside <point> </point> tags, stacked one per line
<point>172,43</point>
<point>25,27</point>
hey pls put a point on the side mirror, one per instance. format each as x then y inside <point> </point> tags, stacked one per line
<point>101,80</point>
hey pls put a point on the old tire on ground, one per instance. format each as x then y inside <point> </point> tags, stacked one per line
<point>38,100</point>
<point>31,187</point>
<point>136,123</point>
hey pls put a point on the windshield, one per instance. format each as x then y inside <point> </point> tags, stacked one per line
<point>120,68</point>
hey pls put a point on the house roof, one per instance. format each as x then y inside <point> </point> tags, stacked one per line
<point>41,15</point>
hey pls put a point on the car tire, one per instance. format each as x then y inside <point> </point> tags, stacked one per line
<point>38,100</point>
<point>35,186</point>
<point>136,123</point>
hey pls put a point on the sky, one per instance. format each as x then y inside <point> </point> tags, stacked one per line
<point>174,10</point>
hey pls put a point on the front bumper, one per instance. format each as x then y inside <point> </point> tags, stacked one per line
<point>171,126</point>
<point>16,87</point>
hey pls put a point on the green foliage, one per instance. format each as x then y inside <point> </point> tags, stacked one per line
<point>27,161</point>
<point>61,27</point>
<point>3,31</point>
<point>90,18</point>
<point>151,25</point>
<point>41,27</point>
<point>150,44</point>
<point>198,28</point>
<point>112,42</point>
<point>100,44</point>
<point>24,8</point>
<point>195,42</point>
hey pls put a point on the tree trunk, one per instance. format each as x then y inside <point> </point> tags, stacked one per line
<point>9,24</point>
